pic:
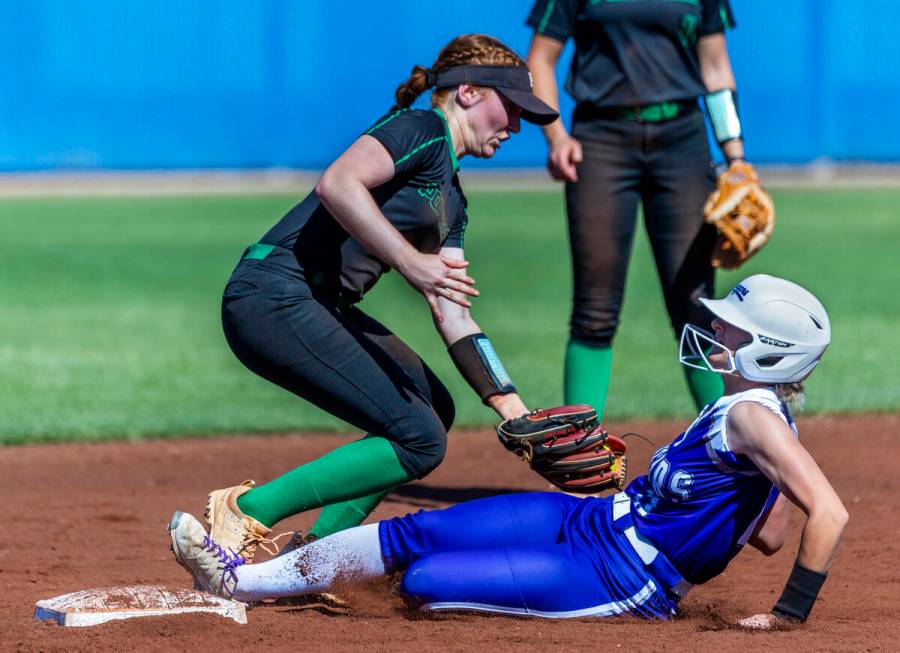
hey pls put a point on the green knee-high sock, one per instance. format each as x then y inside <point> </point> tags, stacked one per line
<point>587,375</point>
<point>355,470</point>
<point>705,386</point>
<point>340,516</point>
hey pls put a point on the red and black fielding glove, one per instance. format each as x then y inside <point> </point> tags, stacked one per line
<point>582,463</point>
<point>546,423</point>
<point>567,446</point>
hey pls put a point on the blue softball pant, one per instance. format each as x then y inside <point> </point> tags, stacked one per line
<point>539,554</point>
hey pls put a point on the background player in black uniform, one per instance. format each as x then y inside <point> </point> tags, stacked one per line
<point>392,200</point>
<point>637,135</point>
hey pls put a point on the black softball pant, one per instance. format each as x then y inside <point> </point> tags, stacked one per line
<point>340,359</point>
<point>667,167</point>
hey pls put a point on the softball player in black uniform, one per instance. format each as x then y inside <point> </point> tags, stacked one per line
<point>392,200</point>
<point>637,135</point>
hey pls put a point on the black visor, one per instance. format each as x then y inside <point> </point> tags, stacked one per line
<point>512,82</point>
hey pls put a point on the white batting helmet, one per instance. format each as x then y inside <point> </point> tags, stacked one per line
<point>789,326</point>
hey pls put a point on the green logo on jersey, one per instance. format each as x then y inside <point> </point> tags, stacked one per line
<point>432,193</point>
<point>688,33</point>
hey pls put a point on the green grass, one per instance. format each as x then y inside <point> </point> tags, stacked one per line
<point>110,322</point>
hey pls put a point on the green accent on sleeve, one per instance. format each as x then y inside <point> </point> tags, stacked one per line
<point>449,140</point>
<point>422,146</point>
<point>546,17</point>
<point>257,252</point>
<point>387,120</point>
<point>724,15</point>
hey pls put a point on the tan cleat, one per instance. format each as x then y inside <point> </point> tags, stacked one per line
<point>232,529</point>
<point>212,567</point>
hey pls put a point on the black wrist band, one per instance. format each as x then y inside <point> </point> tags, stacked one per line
<point>480,366</point>
<point>799,594</point>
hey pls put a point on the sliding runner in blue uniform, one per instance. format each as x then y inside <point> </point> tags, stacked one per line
<point>723,483</point>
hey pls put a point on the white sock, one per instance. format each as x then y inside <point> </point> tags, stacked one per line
<point>354,553</point>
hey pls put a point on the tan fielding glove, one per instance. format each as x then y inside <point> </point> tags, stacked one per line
<point>742,212</point>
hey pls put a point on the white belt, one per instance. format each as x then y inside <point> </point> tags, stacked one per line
<point>645,550</point>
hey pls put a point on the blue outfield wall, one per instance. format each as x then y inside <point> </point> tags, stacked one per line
<point>137,84</point>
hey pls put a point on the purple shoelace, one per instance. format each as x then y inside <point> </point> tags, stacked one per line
<point>230,560</point>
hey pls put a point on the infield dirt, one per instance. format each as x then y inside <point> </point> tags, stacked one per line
<point>94,515</point>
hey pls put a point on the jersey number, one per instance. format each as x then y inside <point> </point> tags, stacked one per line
<point>675,486</point>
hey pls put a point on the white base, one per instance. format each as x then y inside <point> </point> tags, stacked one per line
<point>96,606</point>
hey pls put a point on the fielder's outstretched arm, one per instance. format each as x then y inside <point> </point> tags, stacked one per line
<point>473,353</point>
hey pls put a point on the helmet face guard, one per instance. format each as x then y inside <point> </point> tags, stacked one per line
<point>697,345</point>
<point>789,331</point>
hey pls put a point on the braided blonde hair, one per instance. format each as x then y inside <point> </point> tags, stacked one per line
<point>465,49</point>
<point>793,394</point>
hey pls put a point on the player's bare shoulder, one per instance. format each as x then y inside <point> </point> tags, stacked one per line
<point>752,426</point>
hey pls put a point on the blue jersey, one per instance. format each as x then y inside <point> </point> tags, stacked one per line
<point>700,502</point>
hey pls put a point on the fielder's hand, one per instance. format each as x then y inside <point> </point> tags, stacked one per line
<point>564,157</point>
<point>435,275</point>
